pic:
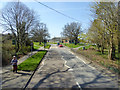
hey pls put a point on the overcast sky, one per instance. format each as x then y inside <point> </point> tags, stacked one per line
<point>54,21</point>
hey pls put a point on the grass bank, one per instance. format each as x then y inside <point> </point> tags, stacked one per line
<point>31,63</point>
<point>47,46</point>
<point>101,59</point>
<point>37,45</point>
<point>73,45</point>
<point>52,43</point>
<point>88,46</point>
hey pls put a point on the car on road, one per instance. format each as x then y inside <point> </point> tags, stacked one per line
<point>60,45</point>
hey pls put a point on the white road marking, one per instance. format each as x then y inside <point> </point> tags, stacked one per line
<point>42,64</point>
<point>82,60</point>
<point>71,52</point>
<point>66,65</point>
<point>70,69</point>
<point>91,67</point>
<point>79,85</point>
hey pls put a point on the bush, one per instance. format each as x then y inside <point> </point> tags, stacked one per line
<point>26,49</point>
<point>7,52</point>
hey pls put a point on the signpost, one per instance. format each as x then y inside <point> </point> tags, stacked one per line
<point>13,42</point>
<point>31,48</point>
<point>45,41</point>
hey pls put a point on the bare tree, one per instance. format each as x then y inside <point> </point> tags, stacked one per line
<point>40,32</point>
<point>72,31</point>
<point>19,19</point>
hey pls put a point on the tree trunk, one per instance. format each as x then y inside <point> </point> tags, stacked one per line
<point>98,46</point>
<point>18,47</point>
<point>102,49</point>
<point>70,40</point>
<point>112,52</point>
<point>40,43</point>
<point>76,41</point>
<point>112,49</point>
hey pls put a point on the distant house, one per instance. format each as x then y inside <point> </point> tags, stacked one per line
<point>65,40</point>
<point>61,40</point>
<point>56,39</point>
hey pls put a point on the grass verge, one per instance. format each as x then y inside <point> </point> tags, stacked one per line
<point>87,47</point>
<point>72,45</point>
<point>37,46</point>
<point>47,46</point>
<point>31,63</point>
<point>101,59</point>
<point>52,43</point>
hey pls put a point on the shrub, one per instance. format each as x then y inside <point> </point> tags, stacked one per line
<point>8,50</point>
<point>7,56</point>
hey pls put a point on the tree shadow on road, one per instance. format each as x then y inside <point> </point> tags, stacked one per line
<point>105,81</point>
<point>47,76</point>
<point>13,76</point>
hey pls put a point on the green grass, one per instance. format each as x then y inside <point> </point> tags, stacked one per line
<point>37,46</point>
<point>47,46</point>
<point>52,43</point>
<point>72,45</point>
<point>117,62</point>
<point>97,56</point>
<point>87,47</point>
<point>31,63</point>
<point>105,55</point>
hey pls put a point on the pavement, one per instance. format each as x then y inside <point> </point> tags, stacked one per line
<point>61,68</point>
<point>9,79</point>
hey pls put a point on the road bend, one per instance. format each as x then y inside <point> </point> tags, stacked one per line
<point>63,69</point>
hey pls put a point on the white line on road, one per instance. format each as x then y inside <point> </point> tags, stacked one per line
<point>71,52</point>
<point>79,85</point>
<point>42,65</point>
<point>91,67</point>
<point>66,65</point>
<point>82,60</point>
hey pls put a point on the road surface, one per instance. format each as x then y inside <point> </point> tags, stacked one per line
<point>63,69</point>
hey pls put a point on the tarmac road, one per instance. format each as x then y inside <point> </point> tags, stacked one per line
<point>63,69</point>
<point>86,75</point>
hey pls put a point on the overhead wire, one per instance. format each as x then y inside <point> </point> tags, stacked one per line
<point>57,11</point>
